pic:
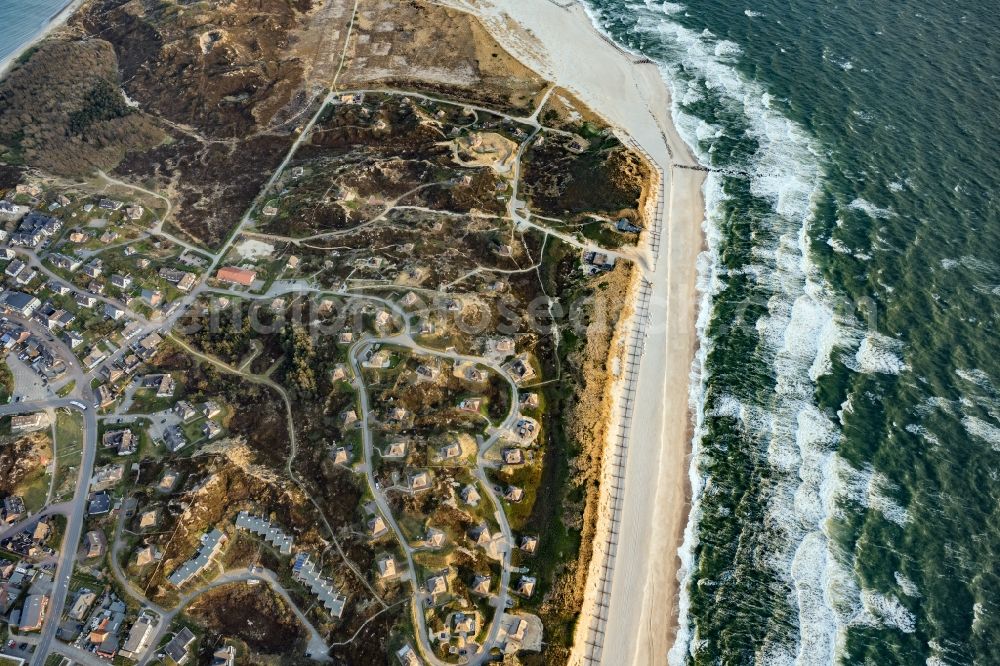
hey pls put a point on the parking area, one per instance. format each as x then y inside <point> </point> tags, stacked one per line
<point>28,385</point>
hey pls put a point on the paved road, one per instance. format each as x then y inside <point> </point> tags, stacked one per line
<point>76,511</point>
<point>316,647</point>
<point>420,598</point>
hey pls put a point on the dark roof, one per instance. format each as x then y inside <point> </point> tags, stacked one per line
<point>19,300</point>
<point>176,649</point>
<point>100,503</point>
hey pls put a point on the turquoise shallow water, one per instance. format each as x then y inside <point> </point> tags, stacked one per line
<point>20,21</point>
<point>848,448</point>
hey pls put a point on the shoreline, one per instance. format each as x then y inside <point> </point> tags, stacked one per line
<point>56,21</point>
<point>638,621</point>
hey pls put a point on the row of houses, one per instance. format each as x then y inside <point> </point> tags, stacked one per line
<point>211,545</point>
<point>305,571</point>
<point>263,528</point>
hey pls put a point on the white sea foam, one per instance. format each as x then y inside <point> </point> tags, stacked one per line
<point>908,587</point>
<point>727,49</point>
<point>879,354</point>
<point>983,430</point>
<point>800,333</point>
<point>923,433</point>
<point>869,489</point>
<point>886,610</point>
<point>977,377</point>
<point>869,209</point>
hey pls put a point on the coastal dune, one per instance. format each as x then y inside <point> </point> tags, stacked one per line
<point>639,535</point>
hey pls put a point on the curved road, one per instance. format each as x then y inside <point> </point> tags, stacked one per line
<point>405,340</point>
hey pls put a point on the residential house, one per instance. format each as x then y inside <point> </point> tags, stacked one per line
<point>121,281</point>
<point>304,570</point>
<point>224,656</point>
<point>480,585</point>
<point>149,519</point>
<point>72,339</point>
<point>152,297</point>
<point>407,656</point>
<point>526,586</point>
<point>263,528</point>
<point>512,456</point>
<point>13,508</point>
<point>185,410</point>
<point>470,495</point>
<point>107,476</point>
<point>99,504</point>
<point>420,481</point>
<point>124,441</point>
<point>15,267</point>
<point>178,649</point>
<point>93,269</point>
<point>21,303</point>
<point>174,439</point>
<point>211,429</point>
<point>211,544</point>
<point>84,600</point>
<point>437,584</point>
<point>386,566</point>
<point>377,526</point>
<point>147,555</point>
<point>95,544</point>
<point>139,637</point>
<point>513,494</point>
<point>113,312</point>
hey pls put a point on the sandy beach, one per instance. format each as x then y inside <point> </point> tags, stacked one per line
<point>54,23</point>
<point>636,622</point>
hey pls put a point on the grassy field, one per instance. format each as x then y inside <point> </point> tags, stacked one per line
<point>69,447</point>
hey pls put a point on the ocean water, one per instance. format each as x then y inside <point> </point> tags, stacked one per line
<point>846,468</point>
<point>20,21</point>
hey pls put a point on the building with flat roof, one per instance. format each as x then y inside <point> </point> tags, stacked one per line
<point>33,613</point>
